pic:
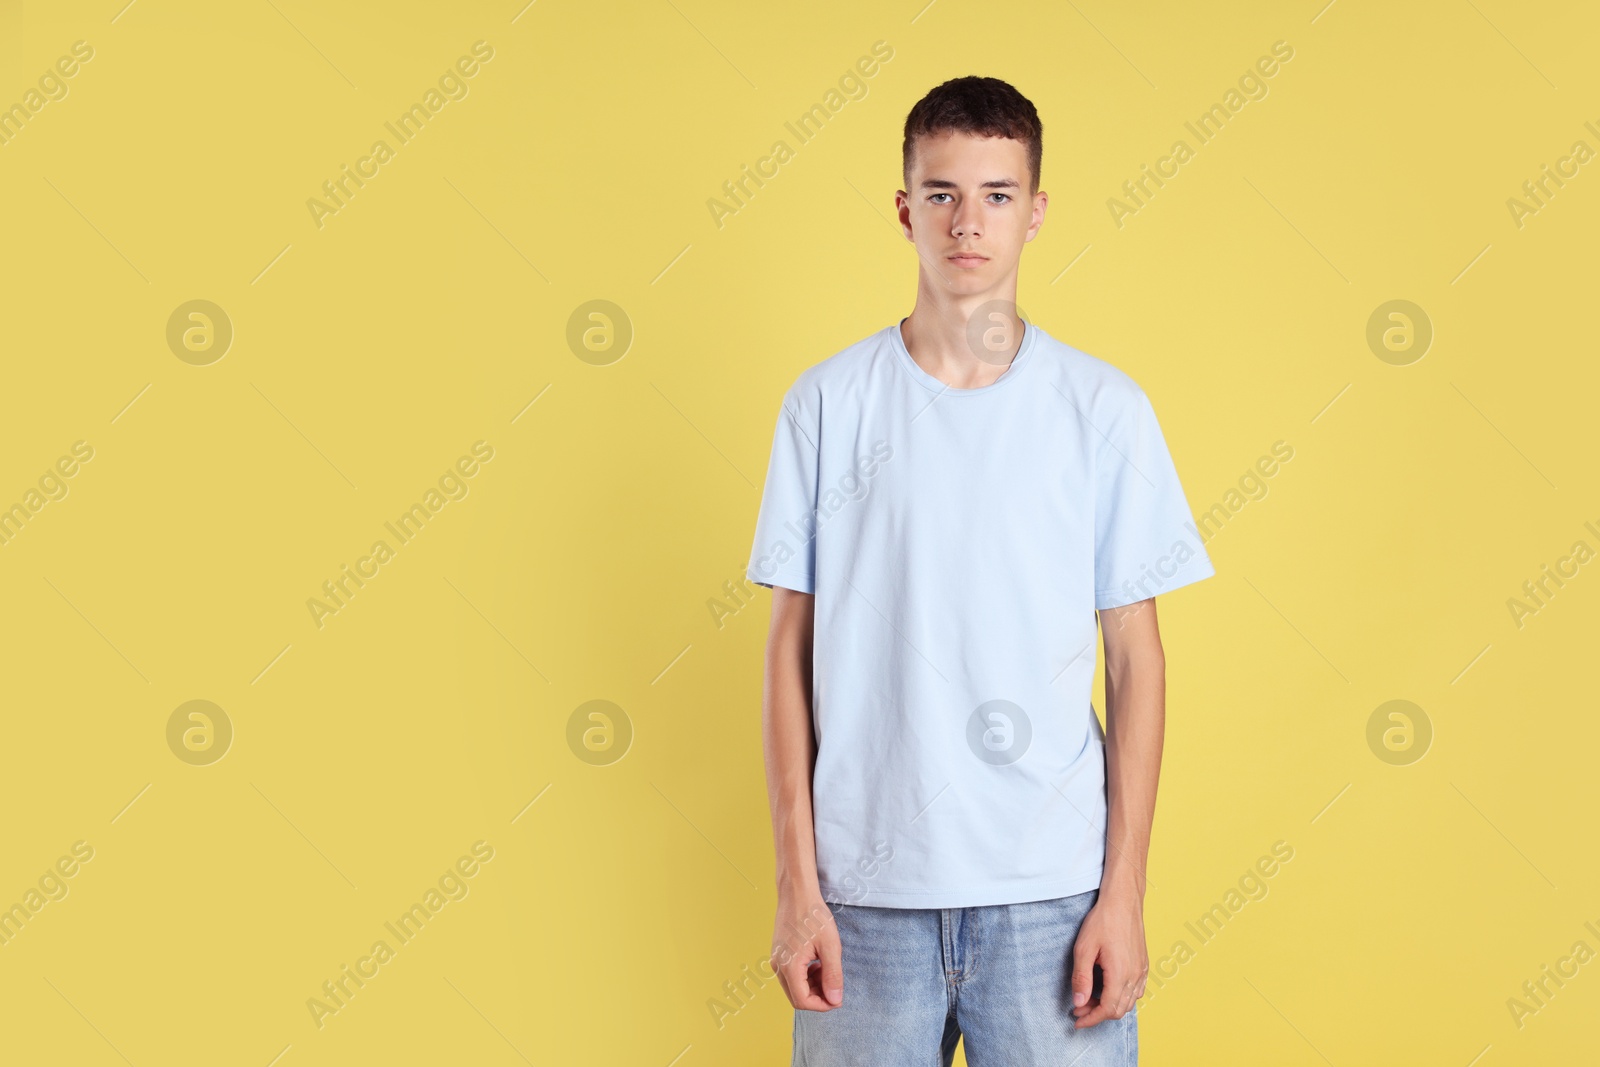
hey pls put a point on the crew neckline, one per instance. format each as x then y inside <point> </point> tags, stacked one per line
<point>1019,362</point>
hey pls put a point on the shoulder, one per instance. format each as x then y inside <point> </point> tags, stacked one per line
<point>1092,384</point>
<point>1116,414</point>
<point>844,372</point>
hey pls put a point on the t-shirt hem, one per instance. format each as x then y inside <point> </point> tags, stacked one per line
<point>1105,599</point>
<point>801,583</point>
<point>982,895</point>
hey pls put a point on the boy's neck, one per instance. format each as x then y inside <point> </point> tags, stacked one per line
<point>966,344</point>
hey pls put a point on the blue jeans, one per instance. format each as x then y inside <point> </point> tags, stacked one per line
<point>916,979</point>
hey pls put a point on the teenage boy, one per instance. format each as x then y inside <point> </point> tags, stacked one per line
<point>949,502</point>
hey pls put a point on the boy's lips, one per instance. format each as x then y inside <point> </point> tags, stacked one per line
<point>967,259</point>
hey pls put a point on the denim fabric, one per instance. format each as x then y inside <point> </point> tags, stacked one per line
<point>999,976</point>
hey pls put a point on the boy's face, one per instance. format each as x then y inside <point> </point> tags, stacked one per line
<point>969,211</point>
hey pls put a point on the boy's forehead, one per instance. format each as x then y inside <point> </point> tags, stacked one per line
<point>955,155</point>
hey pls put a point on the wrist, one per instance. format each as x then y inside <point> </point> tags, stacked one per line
<point>798,885</point>
<point>1122,882</point>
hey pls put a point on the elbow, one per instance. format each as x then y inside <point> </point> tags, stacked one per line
<point>1144,660</point>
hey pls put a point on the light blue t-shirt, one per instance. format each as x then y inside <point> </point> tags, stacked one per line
<point>958,543</point>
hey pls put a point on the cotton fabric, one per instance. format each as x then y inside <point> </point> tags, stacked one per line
<point>958,543</point>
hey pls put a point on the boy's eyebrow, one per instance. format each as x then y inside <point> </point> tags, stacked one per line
<point>945,183</point>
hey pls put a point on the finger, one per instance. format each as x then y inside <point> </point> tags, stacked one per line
<point>1104,1005</point>
<point>778,961</point>
<point>783,983</point>
<point>1095,1018</point>
<point>1083,957</point>
<point>1098,1013</point>
<point>1118,983</point>
<point>832,965</point>
<point>1123,1005</point>
<point>1095,997</point>
<point>797,984</point>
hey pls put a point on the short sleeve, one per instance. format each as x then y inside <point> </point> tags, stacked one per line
<point>1145,540</point>
<point>785,549</point>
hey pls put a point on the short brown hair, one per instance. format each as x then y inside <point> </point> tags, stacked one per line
<point>982,107</point>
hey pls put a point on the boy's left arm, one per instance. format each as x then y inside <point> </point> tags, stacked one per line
<point>1112,934</point>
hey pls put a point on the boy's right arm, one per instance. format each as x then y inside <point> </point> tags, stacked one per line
<point>804,929</point>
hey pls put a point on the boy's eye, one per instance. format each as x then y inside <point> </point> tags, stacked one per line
<point>1004,197</point>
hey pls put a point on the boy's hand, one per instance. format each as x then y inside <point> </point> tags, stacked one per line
<point>1112,936</point>
<point>805,953</point>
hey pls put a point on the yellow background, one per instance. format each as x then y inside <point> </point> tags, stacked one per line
<point>369,354</point>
